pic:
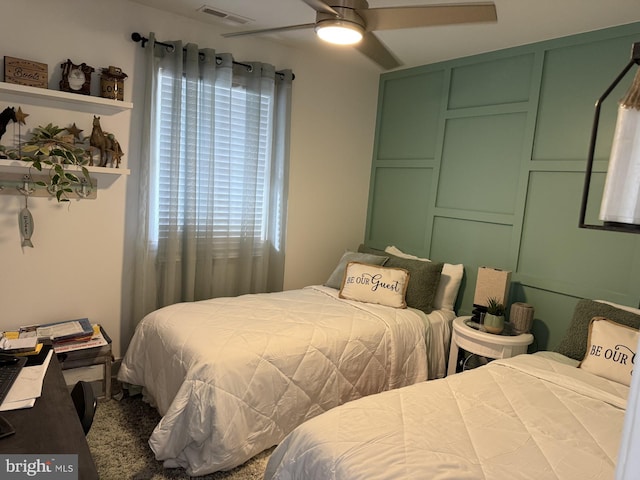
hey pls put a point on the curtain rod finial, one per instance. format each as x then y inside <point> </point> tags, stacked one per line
<point>136,37</point>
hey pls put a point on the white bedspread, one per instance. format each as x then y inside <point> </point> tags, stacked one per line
<point>233,376</point>
<point>528,417</point>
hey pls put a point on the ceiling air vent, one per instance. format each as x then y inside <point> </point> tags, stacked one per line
<point>226,17</point>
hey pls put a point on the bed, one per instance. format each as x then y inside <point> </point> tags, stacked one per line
<point>548,415</point>
<point>232,377</point>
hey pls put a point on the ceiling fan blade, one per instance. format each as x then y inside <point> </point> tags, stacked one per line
<point>393,18</point>
<point>373,48</point>
<point>320,6</point>
<point>269,30</point>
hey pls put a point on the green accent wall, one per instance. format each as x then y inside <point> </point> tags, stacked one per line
<point>481,161</point>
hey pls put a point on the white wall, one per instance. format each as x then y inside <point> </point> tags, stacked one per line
<point>81,263</point>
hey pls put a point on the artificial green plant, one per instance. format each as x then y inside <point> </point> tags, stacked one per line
<point>494,307</point>
<point>47,148</point>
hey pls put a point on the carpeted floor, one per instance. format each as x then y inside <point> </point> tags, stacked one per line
<point>118,443</point>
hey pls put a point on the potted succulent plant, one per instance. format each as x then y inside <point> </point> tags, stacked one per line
<point>494,318</point>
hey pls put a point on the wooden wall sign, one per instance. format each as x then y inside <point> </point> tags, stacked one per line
<point>26,72</point>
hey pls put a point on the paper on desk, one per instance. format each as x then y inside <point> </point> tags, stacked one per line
<point>20,404</point>
<point>18,343</point>
<point>27,387</point>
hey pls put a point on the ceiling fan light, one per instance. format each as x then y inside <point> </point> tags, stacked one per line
<point>339,32</point>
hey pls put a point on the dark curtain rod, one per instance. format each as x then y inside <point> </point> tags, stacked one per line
<point>136,37</point>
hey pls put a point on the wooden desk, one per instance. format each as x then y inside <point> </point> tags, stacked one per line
<point>51,425</point>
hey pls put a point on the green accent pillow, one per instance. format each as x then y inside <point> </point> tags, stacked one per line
<point>335,280</point>
<point>423,281</point>
<point>374,251</point>
<point>574,342</point>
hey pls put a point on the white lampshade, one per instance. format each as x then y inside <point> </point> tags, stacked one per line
<point>492,283</point>
<point>621,198</point>
<point>339,32</point>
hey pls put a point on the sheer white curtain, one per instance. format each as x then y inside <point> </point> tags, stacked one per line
<point>214,174</point>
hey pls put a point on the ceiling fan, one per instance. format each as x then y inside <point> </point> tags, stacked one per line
<point>353,22</point>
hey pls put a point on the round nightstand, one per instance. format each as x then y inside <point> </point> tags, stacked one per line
<point>483,343</point>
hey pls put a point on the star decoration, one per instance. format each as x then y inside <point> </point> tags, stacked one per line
<point>75,131</point>
<point>21,116</point>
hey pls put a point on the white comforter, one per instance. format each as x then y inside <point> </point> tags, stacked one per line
<point>529,417</point>
<point>233,376</point>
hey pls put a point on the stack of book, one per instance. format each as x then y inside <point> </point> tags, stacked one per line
<point>65,336</point>
<point>88,340</point>
<point>67,331</point>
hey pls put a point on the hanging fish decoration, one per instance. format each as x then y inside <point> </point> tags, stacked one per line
<point>25,221</point>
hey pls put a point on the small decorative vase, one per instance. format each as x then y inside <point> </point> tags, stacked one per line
<point>521,317</point>
<point>494,323</point>
<point>112,83</point>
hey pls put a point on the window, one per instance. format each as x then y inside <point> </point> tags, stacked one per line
<point>221,196</point>
<point>214,169</point>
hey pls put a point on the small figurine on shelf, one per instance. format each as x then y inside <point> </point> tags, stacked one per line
<point>7,115</point>
<point>106,144</point>
<point>76,78</point>
<point>115,151</point>
<point>10,114</point>
<point>112,83</point>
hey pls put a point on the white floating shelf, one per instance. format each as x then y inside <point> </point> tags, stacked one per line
<point>13,164</point>
<point>67,98</point>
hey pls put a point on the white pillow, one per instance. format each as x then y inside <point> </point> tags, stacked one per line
<point>375,284</point>
<point>635,311</point>
<point>611,350</point>
<point>335,280</point>
<point>450,280</point>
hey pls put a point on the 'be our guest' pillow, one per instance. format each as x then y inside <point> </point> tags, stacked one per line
<point>611,350</point>
<point>425,277</point>
<point>374,284</point>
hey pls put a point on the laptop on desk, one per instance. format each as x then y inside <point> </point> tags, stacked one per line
<point>10,367</point>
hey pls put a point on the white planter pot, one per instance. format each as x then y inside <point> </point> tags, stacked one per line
<point>494,323</point>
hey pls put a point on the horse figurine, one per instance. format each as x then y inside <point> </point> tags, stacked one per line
<point>115,152</point>
<point>98,141</point>
<point>7,115</point>
<point>106,144</point>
